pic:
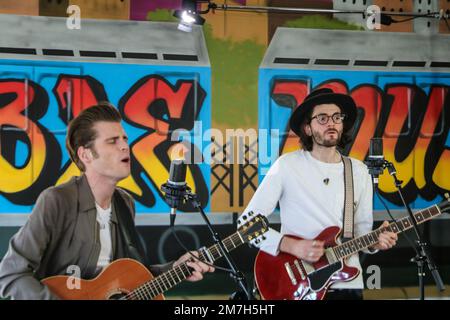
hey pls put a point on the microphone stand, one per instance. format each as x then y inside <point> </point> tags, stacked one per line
<point>243,293</point>
<point>422,256</point>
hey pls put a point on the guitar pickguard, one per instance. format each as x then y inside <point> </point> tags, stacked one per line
<point>319,278</point>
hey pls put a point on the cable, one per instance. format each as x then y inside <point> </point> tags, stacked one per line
<point>404,20</point>
<point>193,256</point>
<point>386,18</point>
<point>412,18</point>
<point>375,188</point>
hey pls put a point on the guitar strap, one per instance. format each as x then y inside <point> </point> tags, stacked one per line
<point>129,238</point>
<point>348,233</point>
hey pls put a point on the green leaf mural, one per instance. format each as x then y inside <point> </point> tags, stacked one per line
<point>161,15</point>
<point>234,68</point>
<point>320,22</point>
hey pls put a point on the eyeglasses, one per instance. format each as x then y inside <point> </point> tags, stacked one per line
<point>323,118</point>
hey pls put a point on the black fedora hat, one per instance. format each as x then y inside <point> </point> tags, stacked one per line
<point>322,96</point>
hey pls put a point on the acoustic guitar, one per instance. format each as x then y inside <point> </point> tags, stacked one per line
<point>128,279</point>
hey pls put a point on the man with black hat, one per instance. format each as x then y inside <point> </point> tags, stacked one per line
<point>309,187</point>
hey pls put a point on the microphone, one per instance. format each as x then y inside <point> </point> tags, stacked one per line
<point>375,161</point>
<point>376,149</point>
<point>175,187</point>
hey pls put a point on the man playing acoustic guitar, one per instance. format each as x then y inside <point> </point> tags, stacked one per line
<point>85,223</point>
<point>309,184</point>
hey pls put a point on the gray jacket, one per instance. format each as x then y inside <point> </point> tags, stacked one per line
<point>61,232</point>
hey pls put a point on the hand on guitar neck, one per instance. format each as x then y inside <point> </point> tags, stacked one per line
<point>312,250</point>
<point>386,240</point>
<point>198,267</point>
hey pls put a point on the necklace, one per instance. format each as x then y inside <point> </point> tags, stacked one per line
<point>325,180</point>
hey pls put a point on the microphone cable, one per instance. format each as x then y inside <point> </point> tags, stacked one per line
<point>410,241</point>
<point>180,243</point>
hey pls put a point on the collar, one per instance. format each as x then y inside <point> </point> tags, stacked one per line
<point>86,200</point>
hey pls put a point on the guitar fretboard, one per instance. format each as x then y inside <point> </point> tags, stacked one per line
<point>355,245</point>
<point>168,279</point>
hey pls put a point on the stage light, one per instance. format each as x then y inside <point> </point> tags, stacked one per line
<point>188,15</point>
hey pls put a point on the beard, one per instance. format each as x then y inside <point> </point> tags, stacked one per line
<point>324,141</point>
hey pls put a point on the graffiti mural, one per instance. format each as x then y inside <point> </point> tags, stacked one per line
<point>153,101</point>
<point>410,112</point>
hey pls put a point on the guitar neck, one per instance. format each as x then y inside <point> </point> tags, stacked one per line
<point>169,279</point>
<point>355,245</point>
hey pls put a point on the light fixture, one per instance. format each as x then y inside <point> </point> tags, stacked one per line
<point>189,15</point>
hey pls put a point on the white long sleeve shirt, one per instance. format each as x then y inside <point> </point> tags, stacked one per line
<point>308,205</point>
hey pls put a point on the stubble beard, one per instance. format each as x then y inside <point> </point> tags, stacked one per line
<point>328,143</point>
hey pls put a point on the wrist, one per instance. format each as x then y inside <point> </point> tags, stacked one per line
<point>289,245</point>
<point>285,244</point>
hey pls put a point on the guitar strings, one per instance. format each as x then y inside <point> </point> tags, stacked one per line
<point>146,290</point>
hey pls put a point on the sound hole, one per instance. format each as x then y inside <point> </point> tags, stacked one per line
<point>118,295</point>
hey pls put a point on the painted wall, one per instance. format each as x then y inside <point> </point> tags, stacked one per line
<point>38,99</point>
<point>409,110</point>
<point>236,43</point>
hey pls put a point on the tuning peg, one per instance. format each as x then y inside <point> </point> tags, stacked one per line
<point>244,217</point>
<point>447,196</point>
<point>263,237</point>
<point>250,213</point>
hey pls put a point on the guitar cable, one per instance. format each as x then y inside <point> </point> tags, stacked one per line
<point>375,188</point>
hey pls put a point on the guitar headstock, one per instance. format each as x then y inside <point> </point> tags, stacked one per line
<point>444,206</point>
<point>254,227</point>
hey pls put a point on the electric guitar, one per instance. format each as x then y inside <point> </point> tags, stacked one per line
<point>286,277</point>
<point>128,279</point>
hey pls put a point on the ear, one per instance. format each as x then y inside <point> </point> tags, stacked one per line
<point>85,155</point>
<point>307,129</point>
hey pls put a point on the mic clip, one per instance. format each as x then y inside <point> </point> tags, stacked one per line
<point>174,195</point>
<point>376,166</point>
